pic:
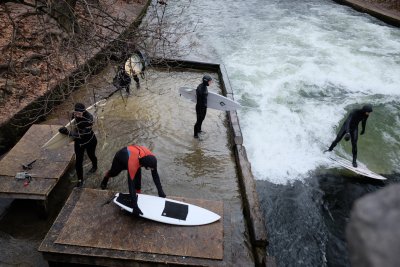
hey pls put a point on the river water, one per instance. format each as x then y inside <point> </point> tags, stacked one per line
<point>298,68</point>
<point>156,117</point>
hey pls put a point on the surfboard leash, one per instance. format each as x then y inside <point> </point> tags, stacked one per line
<point>108,201</point>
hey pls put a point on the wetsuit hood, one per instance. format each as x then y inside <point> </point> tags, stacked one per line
<point>206,79</point>
<point>79,107</point>
<point>367,108</point>
<point>149,161</point>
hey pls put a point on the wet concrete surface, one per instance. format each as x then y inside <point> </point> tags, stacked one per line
<point>157,117</point>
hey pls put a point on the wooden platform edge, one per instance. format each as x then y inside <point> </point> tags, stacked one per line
<point>54,252</point>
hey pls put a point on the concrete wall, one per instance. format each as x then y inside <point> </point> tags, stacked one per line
<point>252,211</point>
<point>385,10</point>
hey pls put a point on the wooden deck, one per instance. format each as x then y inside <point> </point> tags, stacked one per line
<point>89,231</point>
<point>50,165</point>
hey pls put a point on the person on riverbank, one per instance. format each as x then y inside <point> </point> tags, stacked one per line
<point>349,129</point>
<point>122,80</point>
<point>84,139</point>
<point>201,104</point>
<point>132,158</point>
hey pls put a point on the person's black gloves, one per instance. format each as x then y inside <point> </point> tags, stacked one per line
<point>64,130</point>
<point>347,137</point>
<point>161,194</point>
<point>136,211</point>
<point>103,184</point>
<point>73,134</point>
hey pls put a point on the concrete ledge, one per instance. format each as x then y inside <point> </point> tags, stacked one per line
<point>236,131</point>
<point>251,205</point>
<point>389,16</point>
<point>251,197</point>
<point>106,228</point>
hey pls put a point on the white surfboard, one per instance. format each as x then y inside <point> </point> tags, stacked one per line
<point>58,140</point>
<point>214,100</point>
<point>168,211</point>
<point>135,64</point>
<point>361,168</point>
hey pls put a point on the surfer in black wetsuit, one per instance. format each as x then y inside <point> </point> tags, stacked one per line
<point>201,104</point>
<point>84,138</point>
<point>349,129</point>
<point>123,80</point>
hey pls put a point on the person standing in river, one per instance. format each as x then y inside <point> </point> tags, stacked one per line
<point>122,80</point>
<point>201,103</point>
<point>84,139</point>
<point>349,129</point>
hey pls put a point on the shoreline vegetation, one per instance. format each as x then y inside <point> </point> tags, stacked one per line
<point>43,61</point>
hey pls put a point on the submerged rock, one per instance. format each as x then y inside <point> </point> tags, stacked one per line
<point>373,233</point>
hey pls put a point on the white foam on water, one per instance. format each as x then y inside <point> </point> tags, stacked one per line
<point>301,65</point>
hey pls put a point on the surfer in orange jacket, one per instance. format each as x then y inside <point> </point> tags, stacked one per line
<point>349,129</point>
<point>132,158</point>
<point>201,103</point>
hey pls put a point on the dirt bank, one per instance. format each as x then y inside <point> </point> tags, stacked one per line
<point>42,64</point>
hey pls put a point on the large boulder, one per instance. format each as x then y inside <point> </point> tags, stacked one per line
<point>373,232</point>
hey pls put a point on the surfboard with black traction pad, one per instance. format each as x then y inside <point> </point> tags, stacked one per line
<point>166,210</point>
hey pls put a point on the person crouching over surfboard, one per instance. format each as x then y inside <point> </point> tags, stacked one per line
<point>131,158</point>
<point>201,104</point>
<point>349,129</point>
<point>84,138</point>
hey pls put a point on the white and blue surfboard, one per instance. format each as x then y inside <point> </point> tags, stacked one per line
<point>214,100</point>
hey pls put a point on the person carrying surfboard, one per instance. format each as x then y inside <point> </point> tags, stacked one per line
<point>201,104</point>
<point>122,80</point>
<point>84,139</point>
<point>132,158</point>
<point>349,129</point>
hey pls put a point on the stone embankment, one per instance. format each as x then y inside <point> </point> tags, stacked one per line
<point>385,10</point>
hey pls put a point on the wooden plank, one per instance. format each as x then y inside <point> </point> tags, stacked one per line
<point>45,172</point>
<point>37,188</point>
<point>92,224</point>
<point>59,253</point>
<point>49,164</point>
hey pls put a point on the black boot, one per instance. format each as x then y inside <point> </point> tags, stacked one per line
<point>92,170</point>
<point>103,184</point>
<point>354,163</point>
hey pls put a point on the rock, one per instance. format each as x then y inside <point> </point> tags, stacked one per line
<point>373,232</point>
<point>4,68</point>
<point>32,70</point>
<point>7,87</point>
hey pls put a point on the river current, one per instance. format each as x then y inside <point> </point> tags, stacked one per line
<point>298,68</point>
